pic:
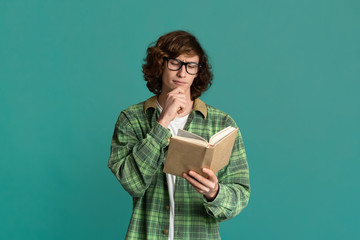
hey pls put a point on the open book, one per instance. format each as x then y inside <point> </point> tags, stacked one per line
<point>188,151</point>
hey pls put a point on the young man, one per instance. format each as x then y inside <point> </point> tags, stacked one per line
<point>164,207</point>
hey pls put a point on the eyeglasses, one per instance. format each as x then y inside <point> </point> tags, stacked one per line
<point>174,64</point>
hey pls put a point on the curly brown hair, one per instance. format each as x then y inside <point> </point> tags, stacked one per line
<point>172,45</point>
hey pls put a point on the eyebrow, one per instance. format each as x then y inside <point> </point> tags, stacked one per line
<point>183,61</point>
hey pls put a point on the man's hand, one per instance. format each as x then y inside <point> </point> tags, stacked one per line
<point>209,186</point>
<point>174,104</point>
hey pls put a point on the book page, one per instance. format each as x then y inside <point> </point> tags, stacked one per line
<point>220,135</point>
<point>191,140</point>
<point>183,133</point>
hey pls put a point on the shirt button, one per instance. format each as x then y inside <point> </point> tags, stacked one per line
<point>167,208</point>
<point>165,231</point>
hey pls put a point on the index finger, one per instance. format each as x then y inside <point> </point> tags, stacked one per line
<point>202,180</point>
<point>178,90</point>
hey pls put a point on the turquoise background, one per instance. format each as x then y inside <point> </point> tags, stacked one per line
<point>287,71</point>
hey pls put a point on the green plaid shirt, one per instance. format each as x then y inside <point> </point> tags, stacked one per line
<point>138,149</point>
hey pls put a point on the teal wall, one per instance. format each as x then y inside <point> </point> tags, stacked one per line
<point>287,71</point>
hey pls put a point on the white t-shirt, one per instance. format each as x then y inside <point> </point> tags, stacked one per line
<point>174,126</point>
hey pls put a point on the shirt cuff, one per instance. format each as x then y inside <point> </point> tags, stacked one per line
<point>160,134</point>
<point>213,205</point>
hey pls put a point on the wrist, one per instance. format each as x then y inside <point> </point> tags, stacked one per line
<point>163,122</point>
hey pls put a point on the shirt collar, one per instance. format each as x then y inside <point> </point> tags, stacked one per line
<point>198,105</point>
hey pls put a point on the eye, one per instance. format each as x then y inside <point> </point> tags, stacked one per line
<point>174,62</point>
<point>192,65</point>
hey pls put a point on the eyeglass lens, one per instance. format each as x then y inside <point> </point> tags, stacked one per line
<point>175,65</point>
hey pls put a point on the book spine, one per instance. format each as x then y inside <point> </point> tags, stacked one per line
<point>209,155</point>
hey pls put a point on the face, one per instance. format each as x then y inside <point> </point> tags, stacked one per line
<point>180,78</point>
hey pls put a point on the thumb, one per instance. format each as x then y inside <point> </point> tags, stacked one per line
<point>210,173</point>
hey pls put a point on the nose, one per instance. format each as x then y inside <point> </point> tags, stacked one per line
<point>182,72</point>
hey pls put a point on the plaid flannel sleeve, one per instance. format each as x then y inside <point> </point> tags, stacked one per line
<point>234,192</point>
<point>132,160</point>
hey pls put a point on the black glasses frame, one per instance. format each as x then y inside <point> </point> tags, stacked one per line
<point>181,64</point>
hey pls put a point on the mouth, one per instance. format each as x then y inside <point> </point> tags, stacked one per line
<point>179,82</point>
